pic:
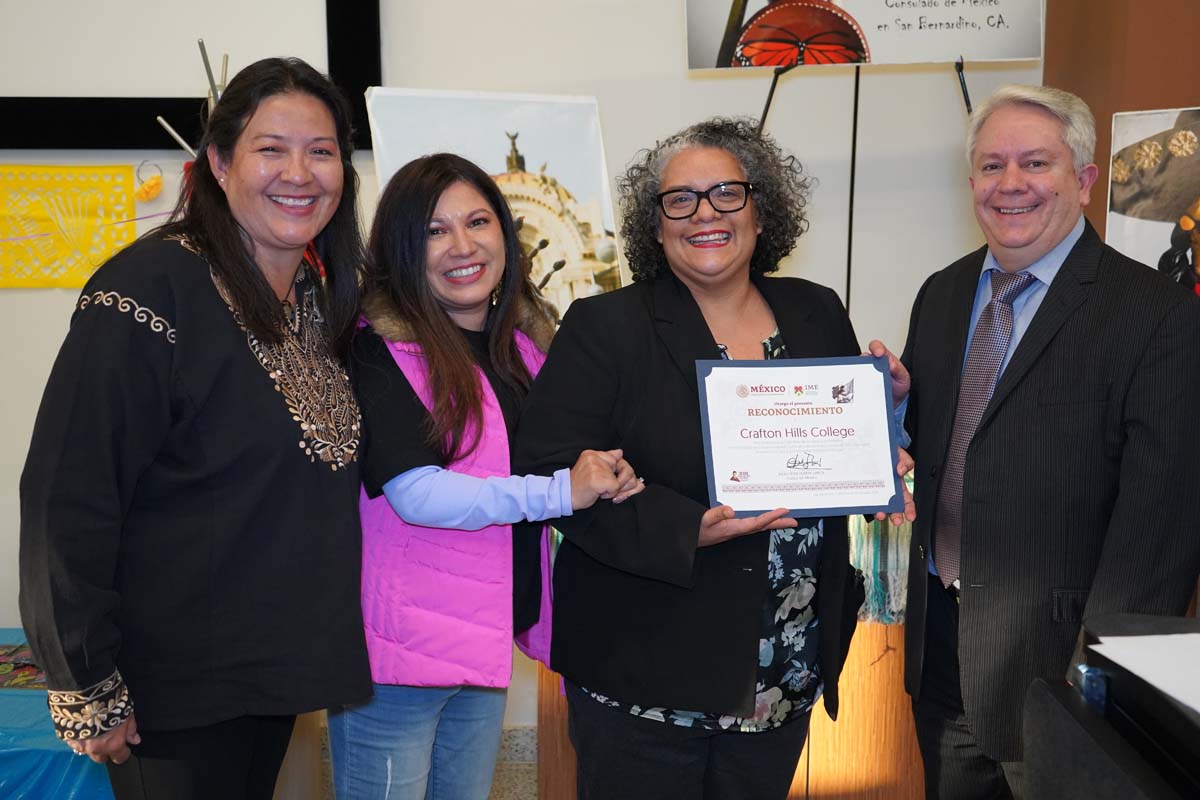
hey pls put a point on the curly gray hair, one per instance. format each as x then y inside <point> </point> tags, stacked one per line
<point>781,190</point>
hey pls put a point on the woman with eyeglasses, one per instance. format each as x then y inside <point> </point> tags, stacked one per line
<point>693,643</point>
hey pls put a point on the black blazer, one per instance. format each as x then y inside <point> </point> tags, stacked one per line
<point>640,613</point>
<point>1082,485</point>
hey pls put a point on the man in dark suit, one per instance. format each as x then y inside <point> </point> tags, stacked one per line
<point>1054,390</point>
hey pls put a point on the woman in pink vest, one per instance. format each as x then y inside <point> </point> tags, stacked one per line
<point>450,552</point>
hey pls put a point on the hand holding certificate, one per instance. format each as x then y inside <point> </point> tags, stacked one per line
<point>816,436</point>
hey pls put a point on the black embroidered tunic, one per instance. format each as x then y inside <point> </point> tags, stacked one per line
<point>190,545</point>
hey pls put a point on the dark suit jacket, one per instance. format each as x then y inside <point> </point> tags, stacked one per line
<point>1082,485</point>
<point>640,613</point>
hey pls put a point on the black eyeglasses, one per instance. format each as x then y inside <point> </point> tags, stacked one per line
<point>724,197</point>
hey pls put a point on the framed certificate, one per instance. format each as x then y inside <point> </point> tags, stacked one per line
<point>816,436</point>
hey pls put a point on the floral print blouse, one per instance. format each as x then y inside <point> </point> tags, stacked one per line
<point>789,676</point>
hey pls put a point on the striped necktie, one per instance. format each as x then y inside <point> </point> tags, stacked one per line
<point>988,347</point>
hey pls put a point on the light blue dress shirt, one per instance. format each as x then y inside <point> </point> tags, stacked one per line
<point>1029,301</point>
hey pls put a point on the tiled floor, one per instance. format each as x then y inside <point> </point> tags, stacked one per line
<point>516,766</point>
<point>326,769</point>
<point>514,782</point>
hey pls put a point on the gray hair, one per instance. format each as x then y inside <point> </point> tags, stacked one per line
<point>1078,124</point>
<point>781,191</point>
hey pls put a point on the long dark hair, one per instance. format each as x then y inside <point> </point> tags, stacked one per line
<point>396,271</point>
<point>203,215</point>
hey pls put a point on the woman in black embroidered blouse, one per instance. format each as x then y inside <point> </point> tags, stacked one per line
<point>189,527</point>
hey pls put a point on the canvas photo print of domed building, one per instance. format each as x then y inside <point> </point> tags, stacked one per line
<point>546,155</point>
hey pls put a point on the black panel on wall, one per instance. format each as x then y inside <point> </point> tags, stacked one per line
<point>97,123</point>
<point>127,123</point>
<point>352,31</point>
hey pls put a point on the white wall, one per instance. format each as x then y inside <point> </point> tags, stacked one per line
<point>131,48</point>
<point>912,209</point>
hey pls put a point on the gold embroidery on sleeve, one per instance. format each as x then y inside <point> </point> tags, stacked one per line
<point>90,712</point>
<point>130,306</point>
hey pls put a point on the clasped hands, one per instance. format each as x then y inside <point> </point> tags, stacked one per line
<point>602,475</point>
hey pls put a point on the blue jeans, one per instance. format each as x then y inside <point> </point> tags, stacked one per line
<point>417,743</point>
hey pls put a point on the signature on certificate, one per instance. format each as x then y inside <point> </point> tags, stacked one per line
<point>803,461</point>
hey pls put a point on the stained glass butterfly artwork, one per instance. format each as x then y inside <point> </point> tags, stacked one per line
<point>800,32</point>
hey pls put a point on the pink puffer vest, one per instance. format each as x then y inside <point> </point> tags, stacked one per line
<point>437,604</point>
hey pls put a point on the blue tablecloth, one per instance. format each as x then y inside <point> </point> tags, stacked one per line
<point>34,764</point>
